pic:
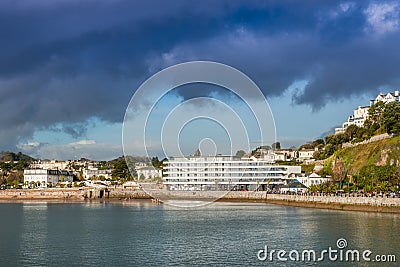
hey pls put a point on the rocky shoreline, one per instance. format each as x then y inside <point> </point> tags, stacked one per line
<point>372,204</point>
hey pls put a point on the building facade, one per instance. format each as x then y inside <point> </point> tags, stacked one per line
<point>95,173</point>
<point>306,154</point>
<point>44,178</point>
<point>360,114</point>
<point>225,173</point>
<point>313,179</point>
<point>358,118</point>
<point>148,173</point>
<point>49,165</point>
<point>386,98</point>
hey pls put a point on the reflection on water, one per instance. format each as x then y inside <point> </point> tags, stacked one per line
<point>144,233</point>
<point>34,205</point>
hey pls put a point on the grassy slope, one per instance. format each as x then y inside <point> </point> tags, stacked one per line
<point>382,152</point>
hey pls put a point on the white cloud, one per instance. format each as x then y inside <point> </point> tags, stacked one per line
<point>341,9</point>
<point>382,17</point>
<point>84,142</point>
<point>33,144</point>
<point>346,6</point>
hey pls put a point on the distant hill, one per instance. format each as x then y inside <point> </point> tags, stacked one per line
<point>12,156</point>
<point>132,159</point>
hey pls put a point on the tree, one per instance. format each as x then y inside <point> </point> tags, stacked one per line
<point>240,153</point>
<point>385,186</point>
<point>121,170</point>
<point>376,176</point>
<point>336,139</point>
<point>318,143</point>
<point>353,131</point>
<point>391,118</point>
<point>313,188</point>
<point>5,166</point>
<point>276,145</point>
<point>374,121</point>
<point>156,163</point>
<point>307,168</point>
<point>375,112</point>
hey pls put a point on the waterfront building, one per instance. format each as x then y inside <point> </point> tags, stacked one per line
<point>225,173</point>
<point>96,173</point>
<point>148,173</point>
<point>313,179</point>
<point>43,178</point>
<point>293,187</point>
<point>130,185</point>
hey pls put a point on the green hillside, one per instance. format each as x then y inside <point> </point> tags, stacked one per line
<point>372,166</point>
<point>379,153</point>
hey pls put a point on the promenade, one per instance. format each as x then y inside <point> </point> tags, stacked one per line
<point>337,202</point>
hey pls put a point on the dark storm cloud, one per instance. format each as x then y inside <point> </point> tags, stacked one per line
<point>63,62</point>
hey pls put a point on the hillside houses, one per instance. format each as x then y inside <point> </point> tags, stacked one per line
<point>96,173</point>
<point>360,114</point>
<point>46,178</point>
<point>386,98</point>
<point>148,173</point>
<point>306,154</point>
<point>289,154</point>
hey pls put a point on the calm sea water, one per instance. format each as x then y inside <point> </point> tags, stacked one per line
<point>140,233</point>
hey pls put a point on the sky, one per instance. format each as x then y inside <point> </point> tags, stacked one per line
<point>68,69</point>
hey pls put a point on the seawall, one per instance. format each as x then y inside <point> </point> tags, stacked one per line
<point>375,204</point>
<point>42,194</point>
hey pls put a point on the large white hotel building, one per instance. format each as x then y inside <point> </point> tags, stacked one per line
<point>225,173</point>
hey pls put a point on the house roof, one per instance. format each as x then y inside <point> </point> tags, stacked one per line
<point>314,175</point>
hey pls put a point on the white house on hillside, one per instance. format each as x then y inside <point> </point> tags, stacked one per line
<point>306,154</point>
<point>90,173</point>
<point>148,172</point>
<point>389,97</point>
<point>42,178</point>
<point>49,165</point>
<point>360,114</point>
<point>285,155</point>
<point>358,118</point>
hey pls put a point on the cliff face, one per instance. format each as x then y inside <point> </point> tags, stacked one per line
<point>384,152</point>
